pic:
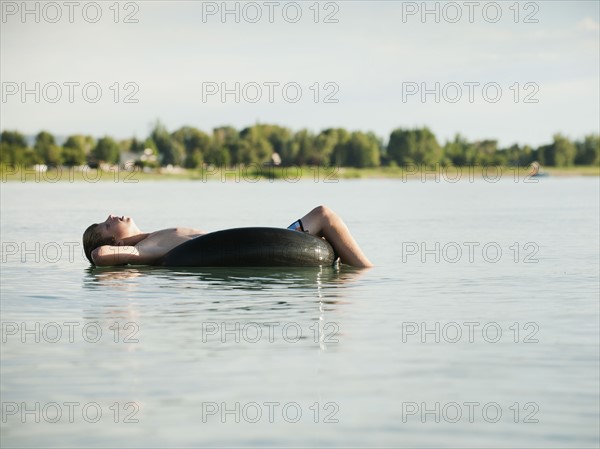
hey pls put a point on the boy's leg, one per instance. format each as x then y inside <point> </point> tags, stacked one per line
<point>323,222</point>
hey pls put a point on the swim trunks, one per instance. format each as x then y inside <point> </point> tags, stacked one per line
<point>297,226</point>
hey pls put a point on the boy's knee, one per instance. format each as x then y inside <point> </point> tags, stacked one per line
<point>323,211</point>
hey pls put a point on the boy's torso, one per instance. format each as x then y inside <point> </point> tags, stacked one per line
<point>161,242</point>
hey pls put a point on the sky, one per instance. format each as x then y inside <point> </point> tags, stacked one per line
<point>517,72</point>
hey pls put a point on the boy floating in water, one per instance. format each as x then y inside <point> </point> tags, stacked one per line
<point>118,240</point>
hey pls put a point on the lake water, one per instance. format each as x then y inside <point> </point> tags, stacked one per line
<point>494,344</point>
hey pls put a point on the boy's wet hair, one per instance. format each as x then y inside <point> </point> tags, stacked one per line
<point>92,239</point>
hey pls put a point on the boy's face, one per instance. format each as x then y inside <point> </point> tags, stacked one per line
<point>119,227</point>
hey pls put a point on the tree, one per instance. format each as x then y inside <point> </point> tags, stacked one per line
<point>279,137</point>
<point>456,151</point>
<point>136,146</point>
<point>588,150</point>
<point>14,150</point>
<point>46,150</point>
<point>195,142</point>
<point>106,150</point>
<point>218,156</point>
<point>301,148</point>
<point>519,156</point>
<point>539,154</point>
<point>417,146</point>
<point>149,153</point>
<point>484,152</point>
<point>43,140</point>
<point>324,146</point>
<point>76,149</point>
<point>360,150</point>
<point>149,143</point>
<point>170,151</point>
<point>338,138</point>
<point>226,140</point>
<point>560,153</point>
<point>255,147</point>
<point>13,138</point>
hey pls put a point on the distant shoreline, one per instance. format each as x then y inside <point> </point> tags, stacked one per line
<point>255,173</point>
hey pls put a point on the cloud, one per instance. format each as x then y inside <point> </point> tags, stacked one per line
<point>588,24</point>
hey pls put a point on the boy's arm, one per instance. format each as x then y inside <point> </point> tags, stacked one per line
<point>116,255</point>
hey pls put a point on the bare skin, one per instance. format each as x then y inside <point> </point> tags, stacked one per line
<point>323,222</point>
<point>132,246</point>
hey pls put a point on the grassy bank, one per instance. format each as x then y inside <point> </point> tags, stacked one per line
<point>255,173</point>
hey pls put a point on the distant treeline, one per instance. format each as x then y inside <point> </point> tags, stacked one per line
<point>225,146</point>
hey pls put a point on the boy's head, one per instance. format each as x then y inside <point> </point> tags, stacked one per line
<point>111,231</point>
<point>93,238</point>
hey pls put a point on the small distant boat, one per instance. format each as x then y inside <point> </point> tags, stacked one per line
<point>536,170</point>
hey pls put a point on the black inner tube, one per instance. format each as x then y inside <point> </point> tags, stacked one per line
<point>247,247</point>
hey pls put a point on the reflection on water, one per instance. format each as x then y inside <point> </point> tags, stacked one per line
<point>230,295</point>
<point>301,279</point>
<point>244,277</point>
